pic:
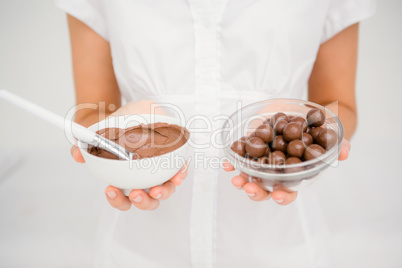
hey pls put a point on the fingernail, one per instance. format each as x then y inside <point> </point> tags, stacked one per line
<point>111,195</point>
<point>239,187</point>
<point>138,199</point>
<point>279,201</point>
<point>158,196</point>
<point>268,197</point>
<point>75,149</point>
<point>347,149</point>
<point>183,169</point>
<point>251,194</point>
<point>173,186</point>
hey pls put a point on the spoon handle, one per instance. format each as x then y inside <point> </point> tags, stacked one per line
<point>78,131</point>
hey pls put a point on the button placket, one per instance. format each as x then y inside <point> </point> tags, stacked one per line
<point>206,104</point>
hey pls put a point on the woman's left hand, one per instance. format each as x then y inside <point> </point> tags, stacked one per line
<point>281,196</point>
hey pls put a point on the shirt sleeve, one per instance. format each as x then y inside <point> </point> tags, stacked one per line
<point>90,12</point>
<point>343,13</point>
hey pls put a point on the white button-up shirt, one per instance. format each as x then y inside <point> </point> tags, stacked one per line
<point>209,58</point>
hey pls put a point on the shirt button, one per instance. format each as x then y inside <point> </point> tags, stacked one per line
<point>207,188</point>
<point>208,23</point>
<point>207,79</point>
<point>205,242</point>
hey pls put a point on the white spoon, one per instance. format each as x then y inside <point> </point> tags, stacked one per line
<point>79,132</point>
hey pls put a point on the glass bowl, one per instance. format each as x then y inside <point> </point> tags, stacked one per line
<point>293,177</point>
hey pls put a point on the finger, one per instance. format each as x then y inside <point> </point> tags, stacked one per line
<point>240,180</point>
<point>76,154</point>
<point>180,176</point>
<point>227,166</point>
<point>344,150</point>
<point>117,199</point>
<point>255,192</point>
<point>140,107</point>
<point>283,197</point>
<point>142,200</point>
<point>162,192</point>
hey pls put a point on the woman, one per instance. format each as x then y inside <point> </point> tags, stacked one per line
<point>206,57</point>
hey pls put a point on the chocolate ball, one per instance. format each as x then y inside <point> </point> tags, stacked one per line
<point>279,144</point>
<point>292,131</point>
<point>327,138</point>
<point>291,161</point>
<point>244,138</point>
<point>315,117</point>
<point>315,131</point>
<point>301,121</point>
<point>308,129</point>
<point>265,132</point>
<point>263,160</point>
<point>307,139</point>
<point>313,151</point>
<point>267,151</point>
<point>295,148</point>
<point>277,158</point>
<point>239,147</point>
<point>279,126</point>
<point>278,116</point>
<point>255,147</point>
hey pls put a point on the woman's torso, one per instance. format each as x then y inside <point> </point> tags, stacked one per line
<point>209,58</point>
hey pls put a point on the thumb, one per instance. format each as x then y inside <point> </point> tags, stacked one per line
<point>76,154</point>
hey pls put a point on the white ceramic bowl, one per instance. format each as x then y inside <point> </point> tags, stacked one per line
<point>136,174</point>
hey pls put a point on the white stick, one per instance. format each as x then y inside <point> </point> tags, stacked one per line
<point>79,132</point>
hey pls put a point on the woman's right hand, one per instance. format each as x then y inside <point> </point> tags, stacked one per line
<point>138,198</point>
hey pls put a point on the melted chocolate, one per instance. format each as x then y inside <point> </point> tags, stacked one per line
<point>144,140</point>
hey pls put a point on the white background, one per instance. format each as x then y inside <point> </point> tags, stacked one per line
<point>49,204</point>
